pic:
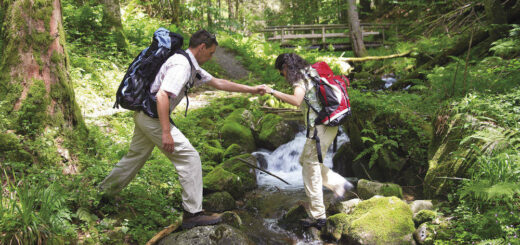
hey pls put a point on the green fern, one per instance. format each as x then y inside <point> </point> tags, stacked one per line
<point>495,139</point>
<point>381,148</point>
<point>487,193</point>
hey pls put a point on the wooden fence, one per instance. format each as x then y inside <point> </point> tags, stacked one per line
<point>321,32</point>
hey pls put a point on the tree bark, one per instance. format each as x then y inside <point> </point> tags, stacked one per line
<point>230,10</point>
<point>356,36</point>
<point>112,21</point>
<point>34,79</point>
<point>208,12</point>
<point>176,8</point>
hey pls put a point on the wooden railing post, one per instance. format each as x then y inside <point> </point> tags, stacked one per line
<point>281,34</point>
<point>323,35</point>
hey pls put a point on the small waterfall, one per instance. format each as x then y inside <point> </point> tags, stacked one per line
<point>283,162</point>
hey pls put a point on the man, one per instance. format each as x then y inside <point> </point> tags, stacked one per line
<point>170,86</point>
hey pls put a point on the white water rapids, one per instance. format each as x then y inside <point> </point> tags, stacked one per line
<point>283,162</point>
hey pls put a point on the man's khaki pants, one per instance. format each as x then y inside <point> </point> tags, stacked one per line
<point>315,174</point>
<point>147,135</point>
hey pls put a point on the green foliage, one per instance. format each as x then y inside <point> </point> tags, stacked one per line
<point>381,148</point>
<point>32,115</point>
<point>508,47</point>
<point>495,181</point>
<point>33,214</point>
<point>490,75</point>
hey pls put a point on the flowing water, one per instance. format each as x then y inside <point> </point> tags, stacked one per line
<point>273,197</point>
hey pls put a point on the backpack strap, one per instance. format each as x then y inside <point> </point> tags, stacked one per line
<point>318,145</point>
<point>189,84</point>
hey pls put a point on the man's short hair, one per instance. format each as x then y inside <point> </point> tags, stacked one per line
<point>203,36</point>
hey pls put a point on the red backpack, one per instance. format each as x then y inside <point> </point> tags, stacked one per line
<point>331,91</point>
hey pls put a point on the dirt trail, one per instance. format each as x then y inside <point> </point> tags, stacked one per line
<point>226,59</point>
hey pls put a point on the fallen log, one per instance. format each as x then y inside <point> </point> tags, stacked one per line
<point>367,58</point>
<point>165,232</point>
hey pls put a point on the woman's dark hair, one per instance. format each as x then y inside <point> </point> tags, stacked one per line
<point>294,64</point>
<point>203,36</point>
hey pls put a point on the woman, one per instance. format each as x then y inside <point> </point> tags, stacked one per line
<point>297,72</point>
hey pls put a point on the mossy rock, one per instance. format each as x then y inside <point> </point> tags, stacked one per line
<point>211,234</point>
<point>294,215</point>
<point>367,189</point>
<point>275,131</point>
<point>233,150</point>
<point>447,156</point>
<point>218,202</point>
<point>337,225</point>
<point>246,173</point>
<point>212,153</point>
<point>419,205</point>
<point>424,216</point>
<point>220,179</point>
<point>232,219</point>
<point>438,230</point>
<point>233,176</point>
<point>343,207</point>
<point>380,220</point>
<point>235,133</point>
<point>241,116</point>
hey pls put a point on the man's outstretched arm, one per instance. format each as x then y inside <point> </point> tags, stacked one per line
<point>222,84</point>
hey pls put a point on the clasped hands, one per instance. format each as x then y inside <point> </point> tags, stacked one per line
<point>262,89</point>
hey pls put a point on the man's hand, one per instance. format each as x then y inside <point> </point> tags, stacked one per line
<point>167,142</point>
<point>261,89</point>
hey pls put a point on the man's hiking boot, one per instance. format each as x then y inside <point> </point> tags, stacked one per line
<point>190,220</point>
<point>317,223</point>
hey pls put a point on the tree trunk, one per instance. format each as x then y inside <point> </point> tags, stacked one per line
<point>230,10</point>
<point>112,21</point>
<point>356,36</point>
<point>34,81</point>
<point>176,8</point>
<point>208,12</point>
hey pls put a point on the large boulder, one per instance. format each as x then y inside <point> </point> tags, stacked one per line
<point>218,202</point>
<point>292,219</point>
<point>447,154</point>
<point>222,234</point>
<point>234,133</point>
<point>419,205</point>
<point>343,207</point>
<point>379,220</point>
<point>275,131</point>
<point>220,179</point>
<point>237,130</point>
<point>233,176</point>
<point>367,189</point>
<point>437,230</point>
<point>404,134</point>
<point>246,172</point>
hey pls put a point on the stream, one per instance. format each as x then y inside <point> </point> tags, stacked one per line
<point>271,200</point>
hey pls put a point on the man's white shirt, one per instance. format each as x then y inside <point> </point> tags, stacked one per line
<point>175,73</point>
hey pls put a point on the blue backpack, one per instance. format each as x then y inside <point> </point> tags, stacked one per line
<point>134,91</point>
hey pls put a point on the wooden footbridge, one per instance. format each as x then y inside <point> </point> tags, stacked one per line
<point>318,34</point>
